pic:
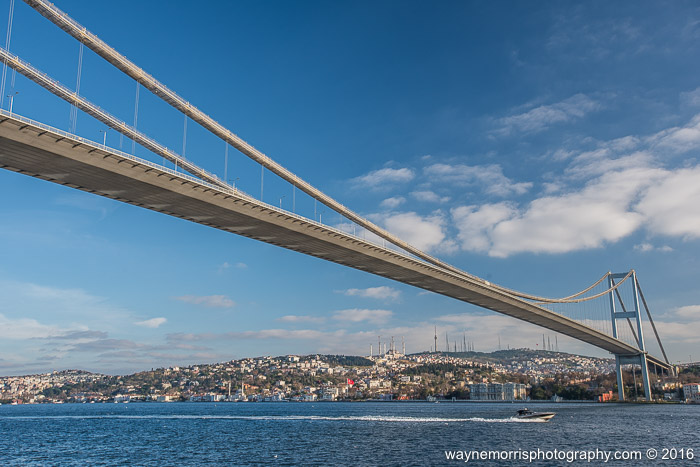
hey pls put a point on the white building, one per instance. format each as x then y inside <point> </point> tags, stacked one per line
<point>691,392</point>
<point>278,397</point>
<point>478,392</point>
<point>497,392</point>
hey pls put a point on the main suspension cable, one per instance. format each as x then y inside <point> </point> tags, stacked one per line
<point>72,27</point>
<point>591,297</point>
<point>550,300</point>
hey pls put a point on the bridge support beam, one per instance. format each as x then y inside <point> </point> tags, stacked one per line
<point>639,359</point>
<point>628,314</point>
<point>620,382</point>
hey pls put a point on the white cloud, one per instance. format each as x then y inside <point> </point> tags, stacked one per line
<point>393,202</point>
<point>428,196</point>
<point>483,329</point>
<point>585,219</point>
<point>425,233</point>
<point>226,265</point>
<point>357,315</point>
<point>688,311</point>
<point>301,319</point>
<point>672,206</point>
<point>682,332</point>
<point>682,323</point>
<point>70,303</point>
<point>211,301</point>
<point>55,294</point>
<point>151,323</point>
<point>544,116</point>
<point>382,293</point>
<point>476,224</point>
<point>26,328</point>
<point>691,98</point>
<point>602,161</point>
<point>598,213</point>
<point>646,247</point>
<point>621,193</point>
<point>488,329</point>
<point>679,139</point>
<point>378,178</point>
<point>262,334</point>
<point>489,177</point>
<point>608,208</point>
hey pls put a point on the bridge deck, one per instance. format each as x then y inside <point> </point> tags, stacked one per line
<point>33,149</point>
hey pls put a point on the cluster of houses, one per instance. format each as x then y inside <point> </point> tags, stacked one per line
<point>317,378</point>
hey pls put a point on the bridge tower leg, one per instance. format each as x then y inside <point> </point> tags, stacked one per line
<point>620,383</point>
<point>635,359</point>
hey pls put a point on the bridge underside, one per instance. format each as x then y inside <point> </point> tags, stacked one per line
<point>36,151</point>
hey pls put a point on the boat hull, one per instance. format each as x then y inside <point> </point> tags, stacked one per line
<point>546,416</point>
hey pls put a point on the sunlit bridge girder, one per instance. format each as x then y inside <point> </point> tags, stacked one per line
<point>37,150</point>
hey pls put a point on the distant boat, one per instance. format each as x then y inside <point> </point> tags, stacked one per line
<point>530,415</point>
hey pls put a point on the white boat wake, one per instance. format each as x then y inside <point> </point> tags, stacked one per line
<point>291,418</point>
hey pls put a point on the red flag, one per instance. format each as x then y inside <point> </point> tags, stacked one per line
<point>350,382</point>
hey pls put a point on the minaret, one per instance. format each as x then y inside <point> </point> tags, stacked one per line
<point>403,346</point>
<point>370,351</point>
<point>435,348</point>
<point>379,346</point>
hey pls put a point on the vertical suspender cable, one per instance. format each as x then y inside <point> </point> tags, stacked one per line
<point>7,47</point>
<point>14,76</point>
<point>184,137</point>
<point>225,162</point>
<point>73,108</point>
<point>88,107</point>
<point>184,140</point>
<point>136,117</point>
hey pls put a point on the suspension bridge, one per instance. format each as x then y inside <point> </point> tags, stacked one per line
<point>609,314</point>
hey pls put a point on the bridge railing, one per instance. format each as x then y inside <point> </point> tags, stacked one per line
<point>106,148</point>
<point>231,191</point>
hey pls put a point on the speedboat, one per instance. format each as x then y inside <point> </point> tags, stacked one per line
<point>530,415</point>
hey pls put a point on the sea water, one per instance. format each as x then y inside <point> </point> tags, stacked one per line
<point>337,433</point>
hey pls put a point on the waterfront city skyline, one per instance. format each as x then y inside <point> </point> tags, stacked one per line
<point>534,147</point>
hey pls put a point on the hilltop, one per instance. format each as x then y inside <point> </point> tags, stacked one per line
<point>311,377</point>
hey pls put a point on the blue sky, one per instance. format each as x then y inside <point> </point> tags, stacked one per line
<point>535,145</point>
